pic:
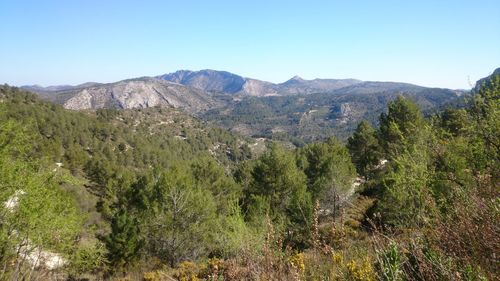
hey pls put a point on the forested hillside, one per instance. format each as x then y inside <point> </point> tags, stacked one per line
<point>154,194</point>
<point>313,117</point>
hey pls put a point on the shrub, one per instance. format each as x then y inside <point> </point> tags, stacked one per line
<point>186,271</point>
<point>390,264</point>
<point>360,271</point>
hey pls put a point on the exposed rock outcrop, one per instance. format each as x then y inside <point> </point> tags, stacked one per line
<point>141,93</point>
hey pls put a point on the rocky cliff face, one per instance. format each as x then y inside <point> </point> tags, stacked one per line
<point>141,93</point>
<point>257,88</point>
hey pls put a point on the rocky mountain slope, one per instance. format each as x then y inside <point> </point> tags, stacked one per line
<point>229,83</point>
<point>138,93</point>
<point>207,80</point>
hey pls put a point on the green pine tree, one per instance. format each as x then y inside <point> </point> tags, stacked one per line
<point>400,126</point>
<point>124,242</point>
<point>364,148</point>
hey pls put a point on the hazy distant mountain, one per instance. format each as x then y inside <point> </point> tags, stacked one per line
<point>297,85</point>
<point>39,89</point>
<point>222,81</point>
<point>139,93</point>
<point>207,80</point>
<point>57,88</point>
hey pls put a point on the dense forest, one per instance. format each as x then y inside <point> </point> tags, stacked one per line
<point>304,118</point>
<point>155,194</point>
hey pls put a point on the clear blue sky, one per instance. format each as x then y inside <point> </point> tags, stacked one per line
<point>426,42</point>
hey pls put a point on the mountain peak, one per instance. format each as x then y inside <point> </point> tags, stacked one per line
<point>207,80</point>
<point>296,78</point>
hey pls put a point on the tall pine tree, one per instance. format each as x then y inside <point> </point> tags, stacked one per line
<point>364,148</point>
<point>124,242</point>
<point>400,126</point>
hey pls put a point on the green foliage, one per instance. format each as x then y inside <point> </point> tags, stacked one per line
<point>278,188</point>
<point>406,199</point>
<point>439,180</point>
<point>124,243</point>
<point>473,274</point>
<point>276,177</point>
<point>400,126</point>
<point>485,111</point>
<point>452,179</point>
<point>172,190</point>
<point>132,139</point>
<point>301,119</point>
<point>390,263</point>
<point>210,176</point>
<point>236,236</point>
<point>182,223</point>
<point>456,122</point>
<point>88,258</point>
<point>329,170</point>
<point>364,148</point>
<point>35,214</point>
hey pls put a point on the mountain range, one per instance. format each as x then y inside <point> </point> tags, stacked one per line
<point>321,107</point>
<point>198,90</point>
<point>222,81</point>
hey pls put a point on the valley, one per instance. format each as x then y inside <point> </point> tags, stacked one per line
<point>158,181</point>
<point>321,140</point>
